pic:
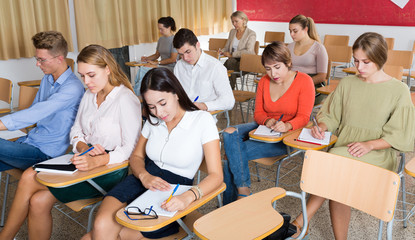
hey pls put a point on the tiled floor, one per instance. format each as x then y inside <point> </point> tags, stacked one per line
<point>362,226</point>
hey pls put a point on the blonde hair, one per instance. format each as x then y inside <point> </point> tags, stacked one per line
<point>309,23</point>
<point>99,56</point>
<point>374,46</point>
<point>241,15</point>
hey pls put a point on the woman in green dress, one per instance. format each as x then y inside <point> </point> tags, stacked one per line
<point>373,116</point>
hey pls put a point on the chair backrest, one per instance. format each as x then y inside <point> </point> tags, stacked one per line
<point>256,48</point>
<point>328,75</point>
<point>360,185</point>
<point>390,42</point>
<point>70,63</point>
<point>339,53</point>
<point>26,96</point>
<point>251,63</point>
<point>336,40</point>
<point>6,90</point>
<point>212,53</point>
<point>400,58</point>
<point>274,36</point>
<point>394,71</point>
<point>216,43</point>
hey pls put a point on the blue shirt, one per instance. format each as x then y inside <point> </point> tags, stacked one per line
<point>53,110</point>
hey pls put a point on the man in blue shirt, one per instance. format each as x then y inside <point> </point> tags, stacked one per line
<point>53,109</point>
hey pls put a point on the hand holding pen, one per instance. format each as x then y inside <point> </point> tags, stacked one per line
<point>175,203</point>
<point>279,119</point>
<point>316,131</point>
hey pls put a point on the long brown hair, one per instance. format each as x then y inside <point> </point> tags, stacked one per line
<point>375,47</point>
<point>309,23</point>
<point>99,56</point>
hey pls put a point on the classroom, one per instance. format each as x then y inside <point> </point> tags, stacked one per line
<point>297,102</point>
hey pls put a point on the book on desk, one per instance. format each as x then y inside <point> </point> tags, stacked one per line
<point>305,136</point>
<point>60,164</point>
<point>263,130</point>
<point>7,135</point>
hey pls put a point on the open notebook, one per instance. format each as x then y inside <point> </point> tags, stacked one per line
<point>156,198</point>
<point>265,131</point>
<point>305,136</point>
<point>11,134</point>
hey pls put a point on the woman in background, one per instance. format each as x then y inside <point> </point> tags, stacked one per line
<point>109,119</point>
<point>307,53</point>
<point>241,40</point>
<point>373,116</point>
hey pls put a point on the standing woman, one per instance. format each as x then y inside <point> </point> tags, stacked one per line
<point>241,40</point>
<point>373,116</point>
<point>164,49</point>
<point>109,119</point>
<point>281,93</point>
<point>175,139</point>
<point>308,54</point>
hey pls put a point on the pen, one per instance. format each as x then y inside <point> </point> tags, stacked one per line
<point>149,211</point>
<point>279,119</point>
<point>174,190</point>
<point>89,149</point>
<point>315,124</point>
<point>196,99</point>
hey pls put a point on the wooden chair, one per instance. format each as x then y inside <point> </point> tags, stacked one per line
<point>70,63</point>
<point>250,63</point>
<point>409,170</point>
<point>26,96</point>
<point>6,94</point>
<point>401,58</point>
<point>190,213</point>
<point>336,40</point>
<point>360,185</point>
<point>339,55</point>
<point>256,47</point>
<point>212,53</point>
<point>390,42</point>
<point>273,36</point>
<point>217,43</point>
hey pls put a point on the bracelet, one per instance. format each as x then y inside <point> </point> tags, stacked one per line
<point>199,191</point>
<point>193,194</point>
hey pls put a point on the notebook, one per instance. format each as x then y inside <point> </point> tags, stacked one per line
<point>305,136</point>
<point>11,134</point>
<point>156,198</point>
<point>60,164</point>
<point>266,131</point>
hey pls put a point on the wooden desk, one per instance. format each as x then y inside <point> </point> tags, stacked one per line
<point>64,180</point>
<point>350,70</point>
<point>410,168</point>
<point>329,88</point>
<point>31,83</point>
<point>252,217</point>
<point>137,64</point>
<point>268,139</point>
<point>161,221</point>
<point>291,141</point>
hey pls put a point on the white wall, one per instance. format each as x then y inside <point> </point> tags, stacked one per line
<point>24,69</point>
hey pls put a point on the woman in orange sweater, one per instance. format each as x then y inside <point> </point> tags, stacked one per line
<point>282,92</point>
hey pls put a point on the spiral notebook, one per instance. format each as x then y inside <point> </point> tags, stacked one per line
<point>305,136</point>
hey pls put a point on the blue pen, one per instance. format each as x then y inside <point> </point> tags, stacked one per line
<point>149,211</point>
<point>196,99</point>
<point>279,119</point>
<point>174,190</point>
<point>89,149</point>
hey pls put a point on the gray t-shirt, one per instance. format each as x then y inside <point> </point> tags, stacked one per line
<point>165,48</point>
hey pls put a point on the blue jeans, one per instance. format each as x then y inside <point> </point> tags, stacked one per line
<point>19,155</point>
<point>239,150</point>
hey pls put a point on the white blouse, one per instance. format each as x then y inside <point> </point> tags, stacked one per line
<point>115,124</point>
<point>181,151</point>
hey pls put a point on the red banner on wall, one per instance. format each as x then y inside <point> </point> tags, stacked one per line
<point>362,12</point>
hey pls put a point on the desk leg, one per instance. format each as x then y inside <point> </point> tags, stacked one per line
<point>97,186</point>
<point>190,234</point>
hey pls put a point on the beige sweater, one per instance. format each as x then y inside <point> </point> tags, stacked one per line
<point>246,43</point>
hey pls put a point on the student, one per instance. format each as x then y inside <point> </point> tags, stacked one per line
<point>281,93</point>
<point>307,52</point>
<point>53,110</point>
<point>203,77</point>
<point>372,115</point>
<point>109,119</point>
<point>165,49</point>
<point>241,40</point>
<point>191,137</point>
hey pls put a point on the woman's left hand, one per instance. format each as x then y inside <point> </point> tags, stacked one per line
<point>176,203</point>
<point>85,162</point>
<point>359,149</point>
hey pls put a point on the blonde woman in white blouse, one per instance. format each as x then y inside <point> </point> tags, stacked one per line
<point>109,119</point>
